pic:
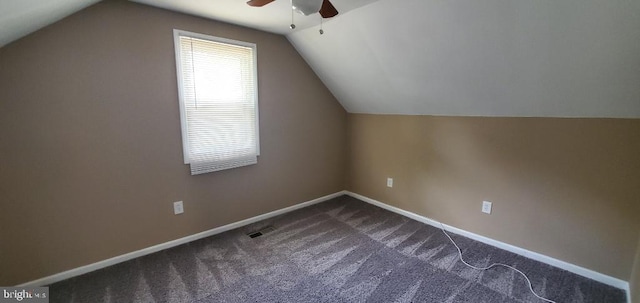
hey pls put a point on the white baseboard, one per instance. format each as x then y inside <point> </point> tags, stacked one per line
<point>588,273</point>
<point>615,282</point>
<point>149,250</point>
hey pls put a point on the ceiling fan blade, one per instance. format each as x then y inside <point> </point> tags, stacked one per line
<point>259,2</point>
<point>327,10</point>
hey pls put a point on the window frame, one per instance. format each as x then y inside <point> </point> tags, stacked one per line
<point>177,33</point>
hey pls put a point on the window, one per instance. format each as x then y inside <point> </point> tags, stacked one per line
<point>218,93</point>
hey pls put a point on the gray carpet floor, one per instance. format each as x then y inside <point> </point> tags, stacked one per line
<point>342,250</point>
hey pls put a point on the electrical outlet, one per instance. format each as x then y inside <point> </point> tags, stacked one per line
<point>486,207</point>
<point>389,182</point>
<point>178,208</point>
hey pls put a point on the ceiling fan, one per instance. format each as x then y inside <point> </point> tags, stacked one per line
<point>305,7</point>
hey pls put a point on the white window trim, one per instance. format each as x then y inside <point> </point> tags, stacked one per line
<point>183,115</point>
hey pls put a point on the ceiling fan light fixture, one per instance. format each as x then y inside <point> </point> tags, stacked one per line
<point>306,7</point>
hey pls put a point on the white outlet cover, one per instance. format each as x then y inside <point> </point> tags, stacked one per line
<point>178,208</point>
<point>486,207</point>
<point>389,182</point>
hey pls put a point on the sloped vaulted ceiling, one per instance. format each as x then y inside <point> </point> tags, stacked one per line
<point>558,58</point>
<point>567,58</point>
<point>22,17</point>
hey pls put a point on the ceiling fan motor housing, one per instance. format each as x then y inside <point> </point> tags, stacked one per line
<point>306,7</point>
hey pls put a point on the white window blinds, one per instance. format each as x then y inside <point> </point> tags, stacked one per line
<point>218,101</point>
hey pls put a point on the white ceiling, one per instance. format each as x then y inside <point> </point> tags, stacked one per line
<point>567,58</point>
<point>274,17</point>
<point>558,58</point>
<point>19,18</point>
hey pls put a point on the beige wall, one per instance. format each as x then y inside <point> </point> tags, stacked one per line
<point>91,155</point>
<point>566,188</point>
<point>634,283</point>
